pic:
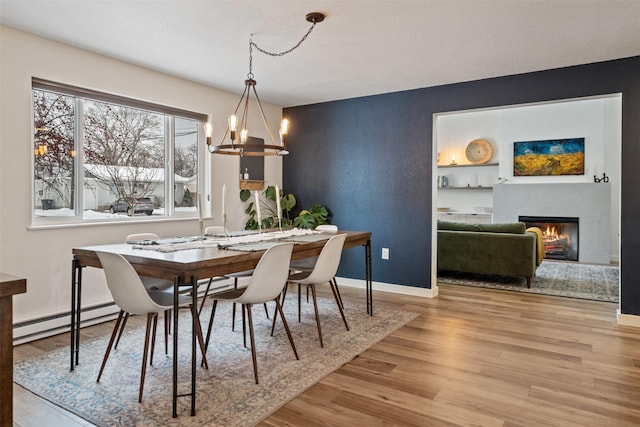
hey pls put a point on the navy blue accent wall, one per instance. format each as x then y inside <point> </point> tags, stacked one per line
<point>369,161</point>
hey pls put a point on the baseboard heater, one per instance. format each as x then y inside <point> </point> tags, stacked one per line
<point>56,324</point>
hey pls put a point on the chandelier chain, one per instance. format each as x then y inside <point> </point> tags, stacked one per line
<point>252,44</point>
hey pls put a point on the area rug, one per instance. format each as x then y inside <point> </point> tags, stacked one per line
<point>584,281</point>
<point>226,393</point>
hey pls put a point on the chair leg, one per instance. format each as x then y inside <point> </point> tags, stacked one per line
<point>124,322</point>
<point>299,302</point>
<point>244,327</point>
<point>204,298</point>
<point>153,337</point>
<point>144,355</point>
<point>335,283</point>
<point>233,317</point>
<point>336,295</point>
<point>315,307</point>
<point>266,310</point>
<point>213,313</point>
<point>253,343</point>
<point>233,309</point>
<point>167,320</point>
<point>284,293</point>
<point>113,337</point>
<point>198,333</point>
<point>286,326</point>
<point>275,310</point>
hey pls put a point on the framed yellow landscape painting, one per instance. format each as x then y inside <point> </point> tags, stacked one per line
<point>548,157</point>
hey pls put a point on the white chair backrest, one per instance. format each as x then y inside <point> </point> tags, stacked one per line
<point>269,276</point>
<point>327,264</point>
<point>214,229</point>
<point>142,236</point>
<point>125,285</point>
<point>327,228</point>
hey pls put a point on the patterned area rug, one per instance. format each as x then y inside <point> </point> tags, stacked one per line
<point>584,281</point>
<point>226,392</point>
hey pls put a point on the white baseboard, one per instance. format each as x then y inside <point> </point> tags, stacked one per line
<point>388,287</point>
<point>49,326</point>
<point>53,325</point>
<point>628,319</point>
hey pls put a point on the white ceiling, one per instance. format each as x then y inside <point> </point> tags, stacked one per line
<point>362,48</point>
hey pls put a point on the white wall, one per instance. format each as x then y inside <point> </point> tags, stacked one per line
<point>598,120</point>
<point>43,256</point>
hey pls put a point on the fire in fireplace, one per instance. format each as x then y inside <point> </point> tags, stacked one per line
<point>559,234</point>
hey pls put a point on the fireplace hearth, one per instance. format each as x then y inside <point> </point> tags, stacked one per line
<point>559,234</point>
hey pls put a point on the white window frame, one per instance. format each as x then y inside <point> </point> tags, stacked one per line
<point>80,94</point>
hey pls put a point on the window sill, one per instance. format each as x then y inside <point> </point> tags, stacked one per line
<point>38,224</point>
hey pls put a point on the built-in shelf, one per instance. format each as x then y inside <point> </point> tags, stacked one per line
<point>467,166</point>
<point>465,188</point>
<point>468,217</point>
<point>251,185</point>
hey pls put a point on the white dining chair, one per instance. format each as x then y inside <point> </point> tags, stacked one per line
<point>239,278</point>
<point>154,284</point>
<point>150,284</point>
<point>129,293</point>
<point>266,284</point>
<point>307,264</point>
<point>324,271</point>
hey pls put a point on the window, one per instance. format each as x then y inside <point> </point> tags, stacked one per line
<point>102,157</point>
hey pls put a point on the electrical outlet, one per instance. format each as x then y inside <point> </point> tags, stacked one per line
<point>385,253</point>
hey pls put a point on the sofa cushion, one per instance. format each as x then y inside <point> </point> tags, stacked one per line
<point>513,228</point>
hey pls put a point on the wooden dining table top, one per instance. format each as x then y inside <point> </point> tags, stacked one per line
<point>202,262</point>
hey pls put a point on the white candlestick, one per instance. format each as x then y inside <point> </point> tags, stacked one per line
<point>200,222</point>
<point>224,197</point>
<point>278,204</point>
<point>255,193</point>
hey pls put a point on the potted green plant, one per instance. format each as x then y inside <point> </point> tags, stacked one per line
<point>309,219</point>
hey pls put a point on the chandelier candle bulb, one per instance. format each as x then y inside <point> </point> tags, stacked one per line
<point>284,130</point>
<point>208,130</point>
<point>233,126</point>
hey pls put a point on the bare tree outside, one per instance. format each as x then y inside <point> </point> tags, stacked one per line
<point>126,147</point>
<point>124,167</point>
<point>54,151</point>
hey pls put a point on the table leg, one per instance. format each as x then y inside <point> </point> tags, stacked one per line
<point>72,321</point>
<point>78,312</point>
<point>76,285</point>
<point>194,295</point>
<point>176,284</point>
<point>369,278</point>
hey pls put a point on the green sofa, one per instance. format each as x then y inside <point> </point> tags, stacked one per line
<point>500,249</point>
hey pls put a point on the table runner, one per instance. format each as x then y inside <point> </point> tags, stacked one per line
<point>238,242</point>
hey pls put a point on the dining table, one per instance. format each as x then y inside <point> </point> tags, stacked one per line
<point>186,260</point>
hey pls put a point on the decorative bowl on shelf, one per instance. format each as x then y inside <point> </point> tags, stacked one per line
<point>479,151</point>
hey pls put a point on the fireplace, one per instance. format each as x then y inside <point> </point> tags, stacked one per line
<point>559,234</point>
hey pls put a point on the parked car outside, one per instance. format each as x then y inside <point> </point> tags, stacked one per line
<point>141,205</point>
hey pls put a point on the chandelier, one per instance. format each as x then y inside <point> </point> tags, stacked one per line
<point>239,143</point>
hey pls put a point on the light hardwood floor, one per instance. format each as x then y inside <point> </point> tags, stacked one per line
<point>473,357</point>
